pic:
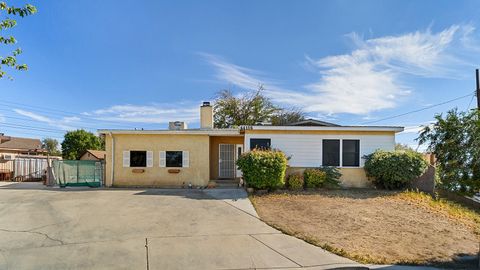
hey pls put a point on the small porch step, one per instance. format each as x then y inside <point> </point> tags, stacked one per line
<point>226,183</point>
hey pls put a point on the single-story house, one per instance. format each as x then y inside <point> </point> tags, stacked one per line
<point>13,153</point>
<point>97,155</point>
<point>179,156</point>
<point>19,146</point>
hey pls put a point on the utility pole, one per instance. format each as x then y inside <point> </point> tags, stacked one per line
<point>478,88</point>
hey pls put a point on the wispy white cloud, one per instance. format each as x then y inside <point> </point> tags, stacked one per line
<point>246,78</point>
<point>154,114</point>
<point>371,77</point>
<point>62,123</point>
<point>2,118</point>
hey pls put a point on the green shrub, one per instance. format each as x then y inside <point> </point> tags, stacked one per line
<point>394,169</point>
<point>295,181</point>
<point>314,178</point>
<point>263,169</point>
<point>333,176</point>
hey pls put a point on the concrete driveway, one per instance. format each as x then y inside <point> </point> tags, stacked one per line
<point>51,228</point>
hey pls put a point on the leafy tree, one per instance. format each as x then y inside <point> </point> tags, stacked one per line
<point>455,142</point>
<point>287,116</point>
<point>77,142</point>
<point>6,23</point>
<point>250,108</point>
<point>51,145</point>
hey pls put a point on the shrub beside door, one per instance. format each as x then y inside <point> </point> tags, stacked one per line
<point>263,169</point>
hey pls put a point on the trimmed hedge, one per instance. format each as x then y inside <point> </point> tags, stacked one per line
<point>314,178</point>
<point>328,177</point>
<point>394,169</point>
<point>295,181</point>
<point>263,169</point>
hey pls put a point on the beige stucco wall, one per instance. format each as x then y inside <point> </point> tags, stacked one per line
<point>351,177</point>
<point>197,173</point>
<point>354,177</point>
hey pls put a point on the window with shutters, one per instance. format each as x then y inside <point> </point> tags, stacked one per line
<point>138,158</point>
<point>174,158</point>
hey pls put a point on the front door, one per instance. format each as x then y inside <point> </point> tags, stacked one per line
<point>238,154</point>
<point>226,161</point>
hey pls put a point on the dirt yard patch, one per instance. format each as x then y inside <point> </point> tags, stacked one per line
<point>375,226</point>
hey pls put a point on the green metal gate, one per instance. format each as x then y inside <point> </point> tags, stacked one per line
<point>78,172</point>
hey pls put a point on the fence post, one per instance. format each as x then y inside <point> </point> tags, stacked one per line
<point>49,173</point>
<point>64,178</point>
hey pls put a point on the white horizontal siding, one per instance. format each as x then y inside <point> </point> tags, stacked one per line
<point>306,150</point>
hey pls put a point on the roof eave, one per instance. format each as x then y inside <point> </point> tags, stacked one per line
<point>173,132</point>
<point>395,129</point>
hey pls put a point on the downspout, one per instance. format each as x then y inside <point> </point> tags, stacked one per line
<point>113,158</point>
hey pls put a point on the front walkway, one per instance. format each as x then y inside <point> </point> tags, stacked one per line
<point>51,228</point>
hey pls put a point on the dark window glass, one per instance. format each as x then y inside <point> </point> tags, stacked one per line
<point>331,153</point>
<point>263,144</point>
<point>351,153</point>
<point>138,158</point>
<point>174,158</point>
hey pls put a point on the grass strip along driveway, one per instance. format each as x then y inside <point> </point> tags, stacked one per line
<point>372,226</point>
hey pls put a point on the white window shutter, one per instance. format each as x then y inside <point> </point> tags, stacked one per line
<point>186,159</point>
<point>163,159</point>
<point>126,158</point>
<point>149,158</point>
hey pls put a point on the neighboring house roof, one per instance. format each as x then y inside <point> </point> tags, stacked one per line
<point>313,122</point>
<point>20,144</point>
<point>99,154</point>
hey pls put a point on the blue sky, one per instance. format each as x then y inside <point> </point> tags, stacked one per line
<point>139,64</point>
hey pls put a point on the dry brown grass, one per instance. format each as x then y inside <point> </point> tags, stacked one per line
<point>373,226</point>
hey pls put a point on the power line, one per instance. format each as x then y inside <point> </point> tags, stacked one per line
<point>471,100</point>
<point>35,134</point>
<point>418,110</point>
<point>37,121</point>
<point>57,131</point>
<point>51,111</point>
<point>39,128</point>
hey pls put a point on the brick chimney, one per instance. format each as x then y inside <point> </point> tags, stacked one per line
<point>206,115</point>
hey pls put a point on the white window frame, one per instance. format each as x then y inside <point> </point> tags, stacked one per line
<point>162,157</point>
<point>339,156</point>
<point>126,158</point>
<point>341,152</point>
<point>359,153</point>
